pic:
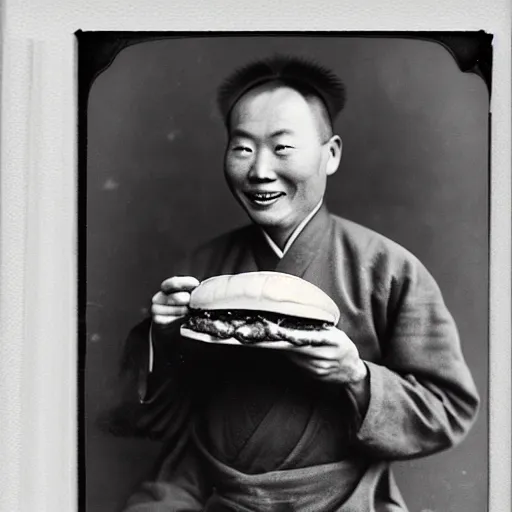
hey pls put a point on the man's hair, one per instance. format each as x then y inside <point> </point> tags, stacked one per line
<point>309,79</point>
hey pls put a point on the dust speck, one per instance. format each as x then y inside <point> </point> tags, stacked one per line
<point>171,136</point>
<point>95,337</point>
<point>110,184</point>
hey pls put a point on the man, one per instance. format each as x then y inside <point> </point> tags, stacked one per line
<point>312,428</point>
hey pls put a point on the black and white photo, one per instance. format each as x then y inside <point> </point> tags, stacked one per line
<point>346,176</point>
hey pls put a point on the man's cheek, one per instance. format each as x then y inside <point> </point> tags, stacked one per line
<point>295,174</point>
<point>232,177</point>
<point>236,172</point>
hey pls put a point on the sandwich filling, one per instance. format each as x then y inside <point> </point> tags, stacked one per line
<point>256,326</point>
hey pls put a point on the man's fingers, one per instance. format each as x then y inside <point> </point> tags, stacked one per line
<point>163,310</point>
<point>164,319</point>
<point>171,302</point>
<point>175,299</point>
<point>316,363</point>
<point>159,298</point>
<point>339,363</point>
<point>320,368</point>
<point>323,364</point>
<point>179,299</point>
<point>317,352</point>
<point>275,345</point>
<point>179,284</point>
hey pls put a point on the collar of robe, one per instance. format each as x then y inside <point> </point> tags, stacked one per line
<point>280,253</point>
<point>302,251</point>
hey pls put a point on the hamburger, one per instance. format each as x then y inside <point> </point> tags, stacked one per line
<point>258,307</point>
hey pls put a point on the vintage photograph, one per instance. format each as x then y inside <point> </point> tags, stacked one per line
<point>284,272</point>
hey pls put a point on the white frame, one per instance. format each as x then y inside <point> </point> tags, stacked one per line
<point>38,207</point>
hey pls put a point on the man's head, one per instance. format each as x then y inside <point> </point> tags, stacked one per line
<point>281,145</point>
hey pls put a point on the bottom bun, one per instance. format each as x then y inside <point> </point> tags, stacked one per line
<point>208,338</point>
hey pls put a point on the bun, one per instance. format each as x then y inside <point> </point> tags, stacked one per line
<point>273,292</point>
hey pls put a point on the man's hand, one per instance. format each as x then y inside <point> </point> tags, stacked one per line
<point>171,302</point>
<point>337,361</point>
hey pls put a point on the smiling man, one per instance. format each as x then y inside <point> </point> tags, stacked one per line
<point>275,430</point>
<point>280,153</point>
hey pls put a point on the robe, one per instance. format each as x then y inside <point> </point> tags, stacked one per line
<point>246,430</point>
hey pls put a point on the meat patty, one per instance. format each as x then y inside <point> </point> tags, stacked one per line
<point>253,327</point>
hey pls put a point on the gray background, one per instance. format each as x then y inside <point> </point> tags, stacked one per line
<point>414,168</point>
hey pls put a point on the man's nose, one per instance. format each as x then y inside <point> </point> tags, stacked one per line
<point>262,167</point>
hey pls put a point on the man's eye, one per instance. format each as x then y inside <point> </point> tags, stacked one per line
<point>283,149</point>
<point>242,149</point>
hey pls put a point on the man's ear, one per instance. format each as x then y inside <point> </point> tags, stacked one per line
<point>335,148</point>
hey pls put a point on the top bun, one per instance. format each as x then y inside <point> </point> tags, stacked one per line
<point>273,292</point>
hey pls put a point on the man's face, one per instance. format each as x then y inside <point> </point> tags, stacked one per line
<point>276,162</point>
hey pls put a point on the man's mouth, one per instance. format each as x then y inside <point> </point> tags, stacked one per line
<point>263,198</point>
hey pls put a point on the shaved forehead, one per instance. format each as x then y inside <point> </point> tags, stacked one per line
<point>271,95</point>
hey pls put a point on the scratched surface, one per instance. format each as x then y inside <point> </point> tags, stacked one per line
<point>414,168</point>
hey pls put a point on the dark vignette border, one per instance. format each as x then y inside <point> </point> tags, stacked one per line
<point>472,51</point>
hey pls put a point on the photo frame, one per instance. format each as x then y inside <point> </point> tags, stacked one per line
<point>51,57</point>
<point>174,109</point>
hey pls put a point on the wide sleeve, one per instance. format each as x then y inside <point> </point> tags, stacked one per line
<point>422,395</point>
<point>157,377</point>
<point>156,404</point>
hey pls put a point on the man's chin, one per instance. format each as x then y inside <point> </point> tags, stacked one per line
<point>265,222</point>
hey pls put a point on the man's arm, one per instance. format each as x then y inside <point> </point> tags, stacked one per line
<point>158,379</point>
<point>152,404</point>
<point>421,398</point>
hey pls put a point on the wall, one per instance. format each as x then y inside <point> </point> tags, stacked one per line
<point>414,168</point>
